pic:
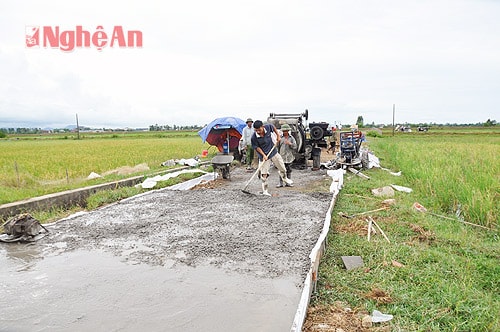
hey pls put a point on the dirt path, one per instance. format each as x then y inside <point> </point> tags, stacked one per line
<point>213,226</point>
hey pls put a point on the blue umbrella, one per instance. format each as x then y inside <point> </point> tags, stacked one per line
<point>222,130</point>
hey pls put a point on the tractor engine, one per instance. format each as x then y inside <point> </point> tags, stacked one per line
<point>309,139</point>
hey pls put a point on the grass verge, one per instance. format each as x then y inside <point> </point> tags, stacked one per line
<point>435,274</point>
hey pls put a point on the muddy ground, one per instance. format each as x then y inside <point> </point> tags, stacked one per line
<point>211,257</point>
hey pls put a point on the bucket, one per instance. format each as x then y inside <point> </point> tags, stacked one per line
<point>204,153</point>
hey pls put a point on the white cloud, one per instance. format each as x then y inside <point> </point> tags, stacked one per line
<point>436,60</point>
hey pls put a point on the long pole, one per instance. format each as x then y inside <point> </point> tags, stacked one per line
<point>393,117</point>
<point>17,172</point>
<point>77,127</point>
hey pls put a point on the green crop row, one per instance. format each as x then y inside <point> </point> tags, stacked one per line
<point>32,167</point>
<point>454,174</point>
<point>434,272</point>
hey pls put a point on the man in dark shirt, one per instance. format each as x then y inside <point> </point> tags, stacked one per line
<point>264,141</point>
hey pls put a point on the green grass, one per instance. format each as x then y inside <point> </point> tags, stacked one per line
<point>450,173</point>
<point>450,278</point>
<point>36,165</point>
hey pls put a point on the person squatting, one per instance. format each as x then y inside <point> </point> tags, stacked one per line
<point>264,144</point>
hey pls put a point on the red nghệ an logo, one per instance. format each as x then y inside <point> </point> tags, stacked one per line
<point>68,40</point>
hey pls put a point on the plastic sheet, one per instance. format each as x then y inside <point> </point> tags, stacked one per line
<point>378,317</point>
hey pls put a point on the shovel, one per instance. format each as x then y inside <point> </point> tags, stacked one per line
<point>256,172</point>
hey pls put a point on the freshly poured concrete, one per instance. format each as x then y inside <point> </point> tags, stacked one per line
<point>209,259</point>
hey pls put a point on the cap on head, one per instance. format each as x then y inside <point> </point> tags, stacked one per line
<point>257,124</point>
<point>285,127</point>
<point>249,120</point>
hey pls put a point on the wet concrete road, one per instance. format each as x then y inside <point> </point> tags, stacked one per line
<point>96,291</point>
<point>212,259</point>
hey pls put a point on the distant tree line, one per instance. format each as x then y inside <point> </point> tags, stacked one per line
<point>12,131</point>
<point>21,130</point>
<point>488,123</point>
<point>157,127</point>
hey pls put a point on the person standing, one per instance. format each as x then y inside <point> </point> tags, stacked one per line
<point>262,142</point>
<point>247,143</point>
<point>332,140</point>
<point>337,137</point>
<point>286,148</point>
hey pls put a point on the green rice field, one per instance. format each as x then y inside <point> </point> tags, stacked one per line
<point>37,165</point>
<point>451,172</point>
<point>438,270</point>
<point>447,272</point>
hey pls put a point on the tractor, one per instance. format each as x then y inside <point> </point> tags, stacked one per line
<point>351,154</point>
<point>310,138</point>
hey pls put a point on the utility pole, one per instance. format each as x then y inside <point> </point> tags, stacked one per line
<point>393,116</point>
<point>77,127</point>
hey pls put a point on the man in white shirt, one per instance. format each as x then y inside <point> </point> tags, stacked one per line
<point>247,143</point>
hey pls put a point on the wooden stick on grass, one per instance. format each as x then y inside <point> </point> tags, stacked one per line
<point>369,228</point>
<point>342,214</point>
<point>465,222</point>
<point>380,229</point>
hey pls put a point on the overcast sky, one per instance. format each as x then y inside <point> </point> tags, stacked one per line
<point>437,61</point>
